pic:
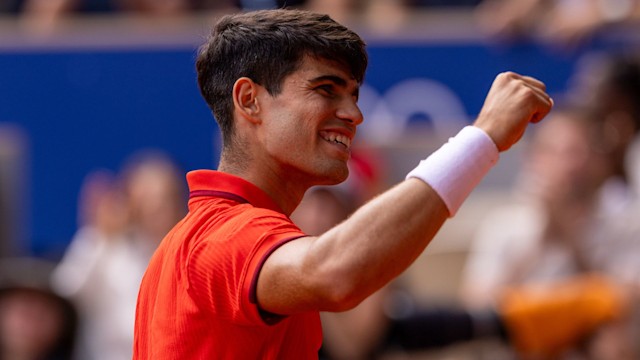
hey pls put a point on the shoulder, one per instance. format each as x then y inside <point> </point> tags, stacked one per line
<point>244,232</point>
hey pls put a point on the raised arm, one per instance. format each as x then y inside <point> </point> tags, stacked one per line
<point>337,270</point>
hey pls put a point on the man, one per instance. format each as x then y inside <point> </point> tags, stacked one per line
<point>236,279</point>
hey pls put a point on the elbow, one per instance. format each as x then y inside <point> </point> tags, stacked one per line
<point>337,285</point>
<point>340,294</point>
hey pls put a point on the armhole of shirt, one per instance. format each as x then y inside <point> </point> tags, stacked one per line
<point>268,317</point>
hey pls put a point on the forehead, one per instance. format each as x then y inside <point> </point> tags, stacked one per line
<point>312,67</point>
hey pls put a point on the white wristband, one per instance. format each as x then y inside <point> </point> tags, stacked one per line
<point>455,169</point>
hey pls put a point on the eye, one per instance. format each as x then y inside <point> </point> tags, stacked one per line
<point>326,89</point>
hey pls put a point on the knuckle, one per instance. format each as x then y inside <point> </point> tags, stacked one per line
<point>527,92</point>
<point>509,75</point>
<point>502,77</point>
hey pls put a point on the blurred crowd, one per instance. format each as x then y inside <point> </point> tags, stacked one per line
<point>85,303</point>
<point>564,22</point>
<point>173,6</point>
<point>553,274</point>
<point>169,7</point>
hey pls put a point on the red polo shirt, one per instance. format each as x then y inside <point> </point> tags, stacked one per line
<point>197,299</point>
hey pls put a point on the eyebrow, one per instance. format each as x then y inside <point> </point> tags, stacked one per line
<point>336,80</point>
<point>333,78</point>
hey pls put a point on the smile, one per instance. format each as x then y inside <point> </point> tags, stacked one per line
<point>337,139</point>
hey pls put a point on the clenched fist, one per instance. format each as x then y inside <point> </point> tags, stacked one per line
<point>512,103</point>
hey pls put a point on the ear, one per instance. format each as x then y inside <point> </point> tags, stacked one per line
<point>245,99</point>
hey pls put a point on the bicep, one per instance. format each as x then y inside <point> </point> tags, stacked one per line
<point>285,285</point>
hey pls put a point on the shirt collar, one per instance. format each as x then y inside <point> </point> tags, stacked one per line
<point>219,184</point>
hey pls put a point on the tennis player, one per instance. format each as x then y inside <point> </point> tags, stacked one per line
<point>236,279</point>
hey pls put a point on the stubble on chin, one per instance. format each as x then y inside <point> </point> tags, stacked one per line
<point>336,175</point>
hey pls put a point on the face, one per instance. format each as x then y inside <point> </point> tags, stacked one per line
<point>564,161</point>
<point>308,128</point>
<point>155,199</point>
<point>30,325</point>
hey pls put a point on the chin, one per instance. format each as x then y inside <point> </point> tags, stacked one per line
<point>337,176</point>
<point>326,173</point>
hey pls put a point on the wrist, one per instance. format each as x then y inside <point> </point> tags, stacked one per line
<point>455,169</point>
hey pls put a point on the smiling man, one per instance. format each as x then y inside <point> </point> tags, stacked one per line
<point>236,279</point>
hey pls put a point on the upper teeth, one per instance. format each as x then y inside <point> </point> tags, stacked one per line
<point>339,138</point>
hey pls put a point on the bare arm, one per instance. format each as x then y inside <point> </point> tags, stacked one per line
<point>339,269</point>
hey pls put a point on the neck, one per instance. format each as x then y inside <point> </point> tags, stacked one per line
<point>286,192</point>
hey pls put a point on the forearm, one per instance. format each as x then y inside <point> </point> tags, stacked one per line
<point>378,241</point>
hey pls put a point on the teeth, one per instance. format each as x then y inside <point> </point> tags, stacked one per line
<point>339,139</point>
<point>343,140</point>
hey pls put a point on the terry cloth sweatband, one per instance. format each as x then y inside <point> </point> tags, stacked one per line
<point>456,168</point>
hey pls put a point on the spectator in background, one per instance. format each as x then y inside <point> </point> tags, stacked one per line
<point>610,84</point>
<point>58,8</point>
<point>35,322</point>
<point>383,15</point>
<point>156,195</point>
<point>582,209</point>
<point>122,220</point>
<point>95,269</point>
<point>557,192</point>
<point>13,152</point>
<point>561,22</point>
<point>558,224</point>
<point>43,16</point>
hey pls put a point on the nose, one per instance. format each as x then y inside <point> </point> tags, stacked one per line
<point>350,111</point>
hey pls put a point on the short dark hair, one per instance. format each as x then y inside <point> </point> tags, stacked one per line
<point>266,46</point>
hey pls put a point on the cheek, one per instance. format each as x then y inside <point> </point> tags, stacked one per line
<point>294,132</point>
<point>285,143</point>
